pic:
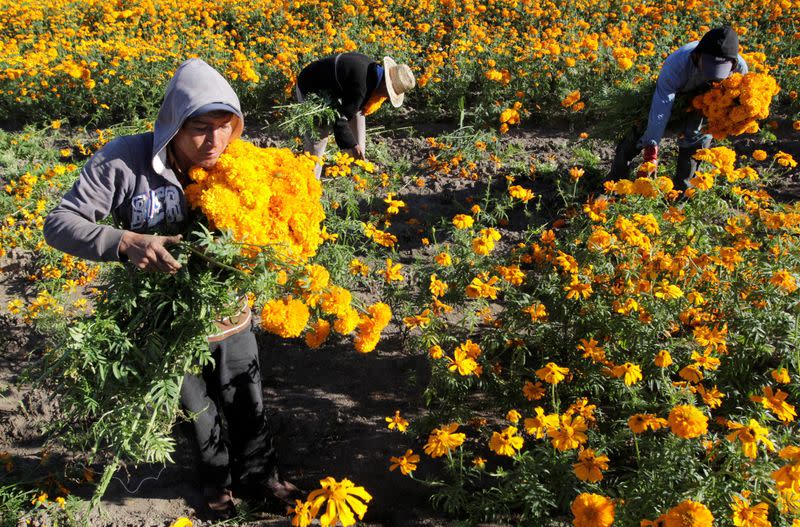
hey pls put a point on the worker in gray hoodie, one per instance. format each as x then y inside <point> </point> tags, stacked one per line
<point>139,181</point>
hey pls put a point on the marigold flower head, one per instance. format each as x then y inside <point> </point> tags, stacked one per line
<point>443,440</point>
<point>286,317</point>
<point>687,421</point>
<point>592,510</point>
<point>507,442</point>
<point>345,502</point>
<point>407,463</point>
<point>689,514</point>
<point>590,466</point>
<point>552,373</point>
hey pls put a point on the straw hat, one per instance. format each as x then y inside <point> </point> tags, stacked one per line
<point>399,79</point>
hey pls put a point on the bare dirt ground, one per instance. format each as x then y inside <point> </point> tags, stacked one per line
<point>327,406</point>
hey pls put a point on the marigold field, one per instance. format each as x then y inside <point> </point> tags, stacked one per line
<point>597,352</point>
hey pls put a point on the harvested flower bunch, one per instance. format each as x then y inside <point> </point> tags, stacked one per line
<point>264,196</point>
<point>734,105</point>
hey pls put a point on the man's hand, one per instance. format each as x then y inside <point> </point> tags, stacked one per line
<point>148,252</point>
<point>356,152</point>
<point>650,160</point>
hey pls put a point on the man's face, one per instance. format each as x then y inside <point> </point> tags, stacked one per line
<point>201,140</point>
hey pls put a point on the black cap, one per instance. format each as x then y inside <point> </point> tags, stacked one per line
<point>720,42</point>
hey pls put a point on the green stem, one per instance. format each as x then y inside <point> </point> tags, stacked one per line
<point>213,261</point>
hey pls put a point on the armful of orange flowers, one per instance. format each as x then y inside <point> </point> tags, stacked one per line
<point>148,252</point>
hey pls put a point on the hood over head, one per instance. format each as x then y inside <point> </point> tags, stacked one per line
<point>195,89</point>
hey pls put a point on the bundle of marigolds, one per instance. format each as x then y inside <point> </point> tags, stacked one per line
<point>265,197</point>
<point>734,105</point>
<point>638,366</point>
<point>270,198</point>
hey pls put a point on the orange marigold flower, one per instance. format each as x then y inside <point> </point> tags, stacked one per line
<point>592,510</point>
<point>686,421</point>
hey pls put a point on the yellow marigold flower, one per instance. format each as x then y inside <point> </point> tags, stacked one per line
<point>346,321</point>
<point>577,290</point>
<point>538,425</point>
<point>663,359</point>
<point>180,522</point>
<point>521,193</point>
<point>418,321</point>
<point>463,221</point>
<point>785,160</point>
<point>369,329</point>
<point>392,272</point>
<point>631,373</point>
<point>533,392</point>
<point>691,373</point>
<point>667,291</point>
<point>781,375</point>
<point>591,350</point>
<point>745,515</point>
<point>480,289</point>
<point>592,510</point>
<point>407,463</point>
<point>40,499</point>
<point>750,435</point>
<point>336,301</point>
<point>286,317</point>
<point>393,205</point>
<point>590,466</point>
<point>551,373</point>
<point>444,440</point>
<point>301,514</point>
<point>437,287</point>
<point>357,267</point>
<point>344,501</point>
<point>710,337</point>
<point>570,433</point>
<point>506,443</point>
<point>759,155</point>
<point>318,334</point>
<point>436,352</point>
<point>689,514</point>
<point>443,259</point>
<point>478,462</point>
<point>776,403</point>
<point>316,279</point>
<point>687,422</point>
<point>571,99</point>
<point>537,312</point>
<point>785,280</point>
<point>639,423</point>
<point>397,422</point>
<point>62,503</point>
<point>462,362</point>
<point>712,397</point>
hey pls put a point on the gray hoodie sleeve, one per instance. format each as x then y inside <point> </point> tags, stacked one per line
<point>72,226</point>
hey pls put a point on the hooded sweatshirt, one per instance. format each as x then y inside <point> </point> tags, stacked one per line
<point>129,178</point>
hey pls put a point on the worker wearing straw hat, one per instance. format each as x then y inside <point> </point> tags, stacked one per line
<point>355,85</point>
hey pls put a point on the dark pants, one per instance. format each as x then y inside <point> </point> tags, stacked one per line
<point>693,140</point>
<point>233,438</point>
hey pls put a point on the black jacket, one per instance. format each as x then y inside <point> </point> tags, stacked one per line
<point>348,81</point>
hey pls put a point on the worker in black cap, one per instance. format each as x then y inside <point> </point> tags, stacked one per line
<point>690,70</point>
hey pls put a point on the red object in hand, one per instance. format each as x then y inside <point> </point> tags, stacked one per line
<point>650,154</point>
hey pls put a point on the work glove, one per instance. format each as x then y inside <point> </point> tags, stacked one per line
<point>650,160</point>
